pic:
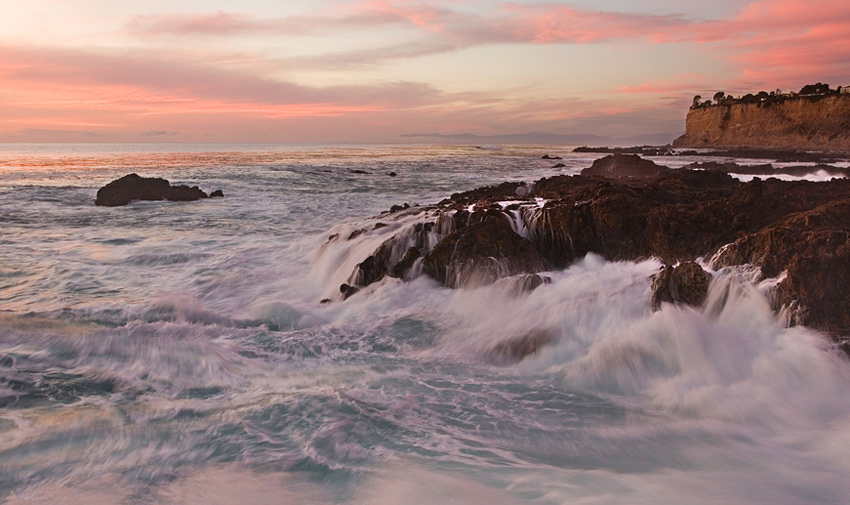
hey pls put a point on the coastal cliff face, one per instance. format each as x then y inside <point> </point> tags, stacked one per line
<point>808,123</point>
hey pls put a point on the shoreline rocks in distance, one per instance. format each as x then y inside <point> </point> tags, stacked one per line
<point>777,154</point>
<point>133,187</point>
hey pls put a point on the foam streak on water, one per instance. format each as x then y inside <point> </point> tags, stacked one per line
<point>178,352</point>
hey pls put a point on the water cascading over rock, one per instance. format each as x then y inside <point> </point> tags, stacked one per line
<point>627,208</point>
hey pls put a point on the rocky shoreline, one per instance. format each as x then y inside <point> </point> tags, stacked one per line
<point>628,208</point>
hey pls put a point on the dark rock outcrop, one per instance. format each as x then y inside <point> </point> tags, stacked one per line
<point>632,209</point>
<point>619,166</point>
<point>400,269</point>
<point>685,284</point>
<point>347,290</point>
<point>813,248</point>
<point>133,187</point>
<point>480,254</point>
<point>394,257</point>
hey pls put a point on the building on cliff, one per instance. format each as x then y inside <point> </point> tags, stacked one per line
<point>819,122</point>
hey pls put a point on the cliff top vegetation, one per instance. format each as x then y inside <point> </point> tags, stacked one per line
<point>812,92</point>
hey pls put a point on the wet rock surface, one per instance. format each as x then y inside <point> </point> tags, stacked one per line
<point>627,208</point>
<point>685,284</point>
<point>480,254</point>
<point>624,166</point>
<point>813,248</point>
<point>133,187</point>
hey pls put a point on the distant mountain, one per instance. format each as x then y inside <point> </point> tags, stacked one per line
<point>546,138</point>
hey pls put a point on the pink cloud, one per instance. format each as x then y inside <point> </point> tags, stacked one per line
<point>680,83</point>
<point>223,23</point>
<point>805,37</point>
<point>768,44</point>
<point>160,79</point>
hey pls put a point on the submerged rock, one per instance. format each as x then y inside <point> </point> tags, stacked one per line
<point>134,187</point>
<point>516,349</point>
<point>524,283</point>
<point>685,284</point>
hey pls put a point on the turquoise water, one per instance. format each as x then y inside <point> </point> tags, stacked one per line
<point>178,353</point>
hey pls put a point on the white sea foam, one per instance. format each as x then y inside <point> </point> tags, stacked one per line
<point>819,176</point>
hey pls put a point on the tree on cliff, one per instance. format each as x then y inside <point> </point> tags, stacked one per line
<point>815,89</point>
<point>697,102</point>
<point>719,96</point>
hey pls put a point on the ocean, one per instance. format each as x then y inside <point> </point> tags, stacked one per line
<point>179,353</point>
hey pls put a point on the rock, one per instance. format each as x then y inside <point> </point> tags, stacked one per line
<point>356,233</point>
<point>524,283</point>
<point>347,290</point>
<point>399,208</point>
<point>685,284</point>
<point>558,165</point>
<point>547,157</point>
<point>374,267</point>
<point>620,166</point>
<point>217,194</point>
<point>394,257</point>
<point>529,282</point>
<point>801,228</point>
<point>133,187</point>
<point>514,350</point>
<point>480,254</point>
<point>400,269</point>
<point>644,150</point>
<point>358,172</point>
<point>813,249</point>
<point>392,174</point>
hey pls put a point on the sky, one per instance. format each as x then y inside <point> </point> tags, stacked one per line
<point>380,70</point>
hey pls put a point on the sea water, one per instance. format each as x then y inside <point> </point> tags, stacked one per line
<point>178,352</point>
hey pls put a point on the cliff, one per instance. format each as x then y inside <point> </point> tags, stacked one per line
<point>804,123</point>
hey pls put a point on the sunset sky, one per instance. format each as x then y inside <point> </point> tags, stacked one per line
<point>373,70</point>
